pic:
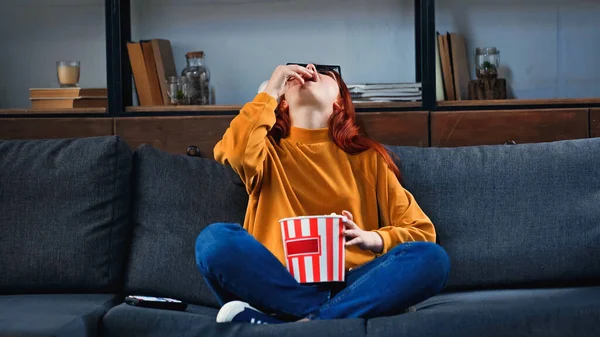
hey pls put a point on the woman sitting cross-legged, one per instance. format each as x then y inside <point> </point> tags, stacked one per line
<point>298,150</point>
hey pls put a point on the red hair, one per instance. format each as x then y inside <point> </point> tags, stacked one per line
<point>343,129</point>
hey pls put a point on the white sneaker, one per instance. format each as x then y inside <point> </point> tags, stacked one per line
<point>238,311</point>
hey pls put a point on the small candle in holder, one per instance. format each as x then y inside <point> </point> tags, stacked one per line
<point>68,73</point>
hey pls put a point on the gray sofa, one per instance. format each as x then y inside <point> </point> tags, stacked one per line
<point>84,222</point>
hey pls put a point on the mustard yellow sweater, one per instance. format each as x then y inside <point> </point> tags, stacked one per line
<point>308,174</point>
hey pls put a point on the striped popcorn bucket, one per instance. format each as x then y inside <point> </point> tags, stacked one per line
<point>314,248</point>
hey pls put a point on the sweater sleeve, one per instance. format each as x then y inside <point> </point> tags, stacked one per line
<point>243,146</point>
<point>400,217</point>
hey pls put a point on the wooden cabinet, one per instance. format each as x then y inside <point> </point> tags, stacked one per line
<point>173,134</point>
<point>410,128</point>
<point>465,128</point>
<point>176,134</point>
<point>40,128</point>
<point>595,122</point>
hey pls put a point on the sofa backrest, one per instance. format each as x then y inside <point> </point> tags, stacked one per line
<point>175,197</point>
<point>64,214</point>
<point>512,215</point>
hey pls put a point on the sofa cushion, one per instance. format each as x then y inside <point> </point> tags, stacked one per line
<point>554,312</point>
<point>53,315</point>
<point>512,215</point>
<point>64,214</point>
<point>176,196</point>
<point>128,321</point>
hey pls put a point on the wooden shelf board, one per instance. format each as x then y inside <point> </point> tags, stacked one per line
<point>209,108</point>
<point>52,111</point>
<point>509,102</point>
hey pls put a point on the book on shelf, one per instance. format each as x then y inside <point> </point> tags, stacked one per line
<point>55,93</point>
<point>385,92</point>
<point>69,103</point>
<point>384,86</point>
<point>165,65</point>
<point>387,99</point>
<point>453,67</point>
<point>440,95</point>
<point>153,81</point>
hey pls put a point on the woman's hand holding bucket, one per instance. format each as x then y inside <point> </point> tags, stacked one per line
<point>355,236</point>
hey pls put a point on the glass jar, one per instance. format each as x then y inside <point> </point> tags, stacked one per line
<point>178,90</point>
<point>198,78</point>
<point>184,90</point>
<point>487,61</point>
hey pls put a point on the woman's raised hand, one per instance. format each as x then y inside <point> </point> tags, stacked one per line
<point>283,77</point>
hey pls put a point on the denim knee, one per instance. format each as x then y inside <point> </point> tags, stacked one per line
<point>432,254</point>
<point>214,243</point>
<point>438,259</point>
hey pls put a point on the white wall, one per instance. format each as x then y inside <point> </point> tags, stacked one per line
<point>37,33</point>
<point>548,48</point>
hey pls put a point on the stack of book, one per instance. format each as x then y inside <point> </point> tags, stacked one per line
<point>452,68</point>
<point>152,63</point>
<point>68,98</point>
<point>385,92</point>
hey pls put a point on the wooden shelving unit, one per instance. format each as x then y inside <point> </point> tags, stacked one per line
<point>119,78</point>
<point>118,24</point>
<point>120,81</point>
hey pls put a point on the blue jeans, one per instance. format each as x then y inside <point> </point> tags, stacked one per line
<point>238,267</point>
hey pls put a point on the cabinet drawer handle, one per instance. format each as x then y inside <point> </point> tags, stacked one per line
<point>193,151</point>
<point>510,142</point>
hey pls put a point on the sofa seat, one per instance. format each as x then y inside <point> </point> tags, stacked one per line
<point>126,320</point>
<point>54,315</point>
<point>549,312</point>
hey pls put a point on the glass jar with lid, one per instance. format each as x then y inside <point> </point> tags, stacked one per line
<point>198,78</point>
<point>487,61</point>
